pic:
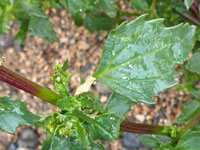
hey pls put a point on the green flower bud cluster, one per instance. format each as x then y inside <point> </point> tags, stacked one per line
<point>69,104</point>
<point>59,124</point>
<point>61,80</point>
<point>172,131</point>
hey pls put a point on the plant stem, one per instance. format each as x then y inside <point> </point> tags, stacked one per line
<point>189,125</point>
<point>189,18</point>
<point>131,127</point>
<point>153,12</point>
<point>153,4</point>
<point>28,86</point>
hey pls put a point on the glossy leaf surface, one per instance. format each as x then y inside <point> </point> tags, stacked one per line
<point>139,57</point>
<point>118,104</point>
<point>107,127</point>
<point>189,111</point>
<point>77,9</point>
<point>83,136</point>
<point>141,5</point>
<point>188,3</point>
<point>190,141</point>
<point>61,143</point>
<point>39,23</point>
<point>154,141</point>
<point>25,9</point>
<point>43,28</point>
<point>196,94</point>
<point>13,113</point>
<point>194,63</point>
<point>108,7</point>
<point>96,21</point>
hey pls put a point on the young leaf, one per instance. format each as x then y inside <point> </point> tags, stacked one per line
<point>96,21</point>
<point>194,63</point>
<point>21,35</point>
<point>43,28</point>
<point>64,3</point>
<point>188,3</point>
<point>95,146</point>
<point>118,104</point>
<point>61,79</point>
<point>139,58</point>
<point>24,10</point>
<point>83,116</point>
<point>77,9</point>
<point>108,7</point>
<point>13,113</point>
<point>61,143</point>
<point>141,5</point>
<point>65,66</point>
<point>190,141</point>
<point>196,94</point>
<point>66,104</point>
<point>83,136</point>
<point>154,141</point>
<point>5,16</point>
<point>191,109</point>
<point>88,100</point>
<point>106,128</point>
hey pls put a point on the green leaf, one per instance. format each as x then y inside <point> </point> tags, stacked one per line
<point>106,128</point>
<point>197,34</point>
<point>194,63</point>
<point>6,15</point>
<point>139,58</point>
<point>25,9</point>
<point>196,94</point>
<point>64,3</point>
<point>43,28</point>
<point>55,5</point>
<point>68,143</point>
<point>96,21</point>
<point>61,143</point>
<point>5,2</point>
<point>77,9</point>
<point>23,29</point>
<point>190,109</point>
<point>13,113</point>
<point>88,100</point>
<point>83,136</point>
<point>118,104</point>
<point>65,66</point>
<point>65,104</point>
<point>95,146</point>
<point>189,141</point>
<point>189,80</point>
<point>108,7</point>
<point>141,5</point>
<point>188,3</point>
<point>153,141</point>
<point>83,116</point>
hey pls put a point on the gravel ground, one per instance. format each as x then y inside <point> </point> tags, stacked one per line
<point>36,58</point>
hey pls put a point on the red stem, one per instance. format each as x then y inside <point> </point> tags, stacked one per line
<point>28,86</point>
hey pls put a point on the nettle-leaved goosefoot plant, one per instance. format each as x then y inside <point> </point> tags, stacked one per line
<point>137,63</point>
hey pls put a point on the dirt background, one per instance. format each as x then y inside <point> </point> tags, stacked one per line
<point>36,57</point>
